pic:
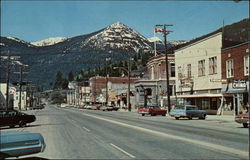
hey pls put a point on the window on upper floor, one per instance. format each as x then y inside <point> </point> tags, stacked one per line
<point>172,70</point>
<point>179,72</point>
<point>229,68</point>
<point>201,67</point>
<point>213,65</point>
<point>189,73</point>
<point>246,65</point>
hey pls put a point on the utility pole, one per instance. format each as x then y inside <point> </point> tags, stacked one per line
<point>7,81</point>
<point>129,68</point>
<point>107,59</point>
<point>20,85</point>
<point>165,33</point>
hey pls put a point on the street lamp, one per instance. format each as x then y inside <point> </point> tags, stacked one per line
<point>128,94</point>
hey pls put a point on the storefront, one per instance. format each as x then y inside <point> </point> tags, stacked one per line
<point>235,95</point>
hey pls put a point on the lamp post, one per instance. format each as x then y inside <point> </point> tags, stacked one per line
<point>128,94</point>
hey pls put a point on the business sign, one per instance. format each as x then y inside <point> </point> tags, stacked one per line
<point>239,84</point>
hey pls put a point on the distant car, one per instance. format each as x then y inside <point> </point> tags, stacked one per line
<point>95,107</point>
<point>16,144</point>
<point>112,108</point>
<point>38,106</point>
<point>151,110</point>
<point>187,111</point>
<point>12,118</point>
<point>104,108</point>
<point>243,119</point>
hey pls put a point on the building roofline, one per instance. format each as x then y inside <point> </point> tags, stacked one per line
<point>236,45</point>
<point>200,39</point>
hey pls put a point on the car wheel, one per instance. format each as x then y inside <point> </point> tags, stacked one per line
<point>143,114</point>
<point>164,115</point>
<point>189,118</point>
<point>12,126</point>
<point>245,125</point>
<point>177,118</point>
<point>22,124</point>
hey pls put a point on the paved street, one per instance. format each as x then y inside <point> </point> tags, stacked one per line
<point>88,134</point>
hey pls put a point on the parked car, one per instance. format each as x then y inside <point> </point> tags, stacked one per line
<point>151,110</point>
<point>103,108</point>
<point>95,107</point>
<point>243,119</point>
<point>187,111</point>
<point>12,118</point>
<point>16,144</point>
<point>38,106</point>
<point>112,108</point>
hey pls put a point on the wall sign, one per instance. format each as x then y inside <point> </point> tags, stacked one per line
<point>239,84</point>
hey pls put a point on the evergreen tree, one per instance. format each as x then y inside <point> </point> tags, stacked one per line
<point>70,76</point>
<point>58,81</point>
<point>65,83</point>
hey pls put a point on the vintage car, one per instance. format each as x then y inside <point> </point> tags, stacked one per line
<point>187,111</point>
<point>38,106</point>
<point>151,110</point>
<point>243,119</point>
<point>16,144</point>
<point>12,118</point>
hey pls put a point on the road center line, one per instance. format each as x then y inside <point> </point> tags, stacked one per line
<point>118,148</point>
<point>86,129</point>
<point>205,144</point>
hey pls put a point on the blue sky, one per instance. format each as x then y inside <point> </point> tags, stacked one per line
<point>37,20</point>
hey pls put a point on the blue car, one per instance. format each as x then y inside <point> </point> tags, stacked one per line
<point>17,143</point>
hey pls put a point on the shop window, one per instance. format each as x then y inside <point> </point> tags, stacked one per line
<point>205,103</point>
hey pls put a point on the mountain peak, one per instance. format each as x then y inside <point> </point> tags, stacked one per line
<point>118,36</point>
<point>117,24</point>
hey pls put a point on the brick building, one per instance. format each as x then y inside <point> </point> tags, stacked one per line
<point>235,71</point>
<point>117,89</point>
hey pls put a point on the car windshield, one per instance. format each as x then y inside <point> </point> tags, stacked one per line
<point>191,108</point>
<point>179,107</point>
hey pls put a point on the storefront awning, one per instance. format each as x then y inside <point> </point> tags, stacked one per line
<point>199,95</point>
<point>235,91</point>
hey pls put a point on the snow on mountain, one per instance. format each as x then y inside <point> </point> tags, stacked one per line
<point>49,41</point>
<point>17,40</point>
<point>155,39</point>
<point>118,36</point>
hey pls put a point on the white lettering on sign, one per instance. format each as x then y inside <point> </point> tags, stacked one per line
<point>239,84</point>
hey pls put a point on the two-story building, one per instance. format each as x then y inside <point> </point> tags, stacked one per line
<point>198,70</point>
<point>235,72</point>
<point>204,65</point>
<point>153,90</point>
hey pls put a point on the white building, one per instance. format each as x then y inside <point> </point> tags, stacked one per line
<point>198,71</point>
<point>12,90</point>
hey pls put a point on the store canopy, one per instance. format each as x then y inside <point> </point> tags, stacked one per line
<point>199,95</point>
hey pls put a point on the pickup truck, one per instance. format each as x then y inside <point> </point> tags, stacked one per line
<point>151,110</point>
<point>187,111</point>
